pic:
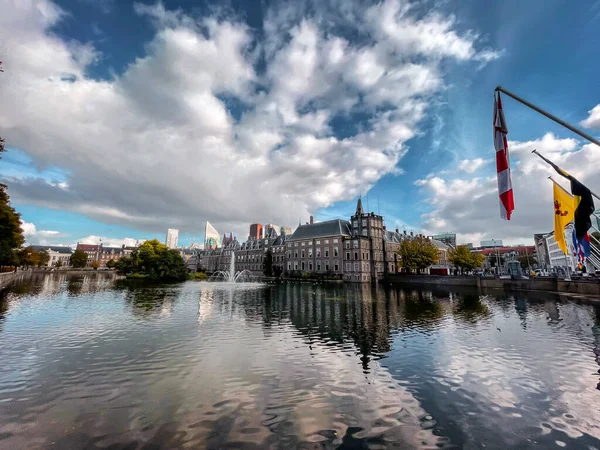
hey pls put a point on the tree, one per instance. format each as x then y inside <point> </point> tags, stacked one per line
<point>268,264</point>
<point>526,261</point>
<point>154,260</point>
<point>58,264</point>
<point>42,258</point>
<point>95,265</point>
<point>462,257</point>
<point>111,263</point>
<point>11,234</point>
<point>79,259</point>
<point>29,257</point>
<point>417,254</point>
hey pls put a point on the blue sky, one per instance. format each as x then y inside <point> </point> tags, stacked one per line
<point>123,119</point>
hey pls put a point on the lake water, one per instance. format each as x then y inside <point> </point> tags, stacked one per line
<point>88,362</point>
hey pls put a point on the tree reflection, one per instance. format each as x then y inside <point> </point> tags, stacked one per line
<point>470,308</point>
<point>149,301</point>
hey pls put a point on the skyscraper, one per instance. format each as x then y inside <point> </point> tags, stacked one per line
<point>211,236</point>
<point>171,239</point>
<point>256,231</point>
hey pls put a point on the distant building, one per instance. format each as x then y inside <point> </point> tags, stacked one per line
<point>285,230</point>
<point>106,254</point>
<point>447,238</point>
<point>256,231</point>
<point>469,245</point>
<point>491,243</point>
<point>271,229</point>
<point>172,237</point>
<point>56,253</point>
<point>211,236</point>
<point>541,250</point>
<point>91,250</point>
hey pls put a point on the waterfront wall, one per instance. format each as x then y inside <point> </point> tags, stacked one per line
<point>582,287</point>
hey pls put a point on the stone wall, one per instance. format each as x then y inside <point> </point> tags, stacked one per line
<point>582,287</point>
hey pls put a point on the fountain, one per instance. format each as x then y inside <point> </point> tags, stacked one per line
<point>230,276</point>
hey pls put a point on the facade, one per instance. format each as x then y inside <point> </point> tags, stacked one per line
<point>172,237</point>
<point>256,231</point>
<point>447,238</point>
<point>106,254</point>
<point>360,250</point>
<point>91,250</point>
<point>56,254</point>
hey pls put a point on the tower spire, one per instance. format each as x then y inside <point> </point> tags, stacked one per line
<point>359,207</point>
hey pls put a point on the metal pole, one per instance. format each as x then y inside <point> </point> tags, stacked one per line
<point>550,116</point>
<point>550,163</point>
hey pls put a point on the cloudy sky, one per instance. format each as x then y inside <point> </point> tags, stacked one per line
<point>123,119</point>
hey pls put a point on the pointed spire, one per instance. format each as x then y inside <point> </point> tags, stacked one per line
<point>359,208</point>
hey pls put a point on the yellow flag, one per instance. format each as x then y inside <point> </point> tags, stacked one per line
<point>564,212</point>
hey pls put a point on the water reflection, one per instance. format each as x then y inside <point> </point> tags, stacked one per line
<point>93,365</point>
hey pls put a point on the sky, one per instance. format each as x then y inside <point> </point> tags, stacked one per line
<point>123,119</point>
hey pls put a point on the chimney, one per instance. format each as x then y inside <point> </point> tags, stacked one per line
<point>311,220</point>
<point>397,230</point>
<point>411,233</point>
<point>404,232</point>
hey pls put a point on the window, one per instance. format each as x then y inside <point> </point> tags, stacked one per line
<point>364,232</point>
<point>347,244</point>
<point>348,267</point>
<point>318,266</point>
<point>327,266</point>
<point>355,243</point>
<point>364,222</point>
<point>310,252</point>
<point>303,244</point>
<point>303,254</point>
<point>295,244</point>
<point>295,266</point>
<point>354,223</point>
<point>327,241</point>
<point>310,266</point>
<point>356,267</point>
<point>347,255</point>
<point>295,253</point>
<point>318,242</point>
<point>336,266</point>
<point>318,252</point>
<point>326,253</point>
<point>335,241</point>
<point>303,265</point>
<point>355,255</point>
<point>335,252</point>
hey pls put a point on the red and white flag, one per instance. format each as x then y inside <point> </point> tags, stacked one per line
<point>507,203</point>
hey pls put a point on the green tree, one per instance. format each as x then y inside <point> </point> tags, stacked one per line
<point>79,259</point>
<point>29,257</point>
<point>11,234</point>
<point>95,265</point>
<point>462,257</point>
<point>268,264</point>
<point>58,264</point>
<point>418,253</point>
<point>156,261</point>
<point>111,263</point>
<point>42,258</point>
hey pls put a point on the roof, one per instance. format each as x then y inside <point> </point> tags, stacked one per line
<point>440,244</point>
<point>112,249</point>
<point>88,247</point>
<point>334,227</point>
<point>392,236</point>
<point>54,248</point>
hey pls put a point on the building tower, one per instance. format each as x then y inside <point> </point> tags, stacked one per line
<point>171,239</point>
<point>256,231</point>
<point>366,251</point>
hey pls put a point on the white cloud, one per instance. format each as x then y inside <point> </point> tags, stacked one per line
<point>35,237</point>
<point>213,123</point>
<point>108,241</point>
<point>471,206</point>
<point>472,165</point>
<point>593,120</point>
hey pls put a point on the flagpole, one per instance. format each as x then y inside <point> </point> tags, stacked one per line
<point>550,116</point>
<point>550,163</point>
